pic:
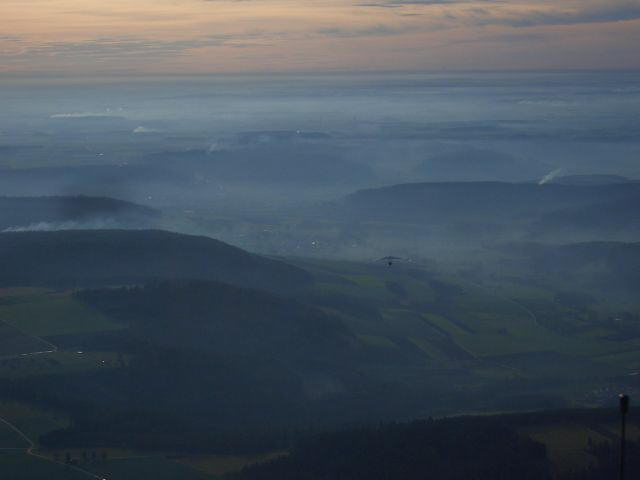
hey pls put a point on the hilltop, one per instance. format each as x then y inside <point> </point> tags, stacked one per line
<point>113,257</point>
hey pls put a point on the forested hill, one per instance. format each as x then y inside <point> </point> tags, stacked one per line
<point>111,257</point>
<point>237,360</point>
<point>223,319</point>
<point>443,450</point>
<point>437,202</point>
<point>23,213</point>
<point>541,445</point>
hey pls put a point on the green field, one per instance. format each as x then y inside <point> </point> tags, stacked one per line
<point>568,444</point>
<point>497,329</point>
<point>415,327</point>
<point>58,362</point>
<point>17,465</point>
<point>224,464</point>
<point>157,468</point>
<point>13,342</point>
<point>54,314</point>
<point>9,439</point>
<point>31,420</point>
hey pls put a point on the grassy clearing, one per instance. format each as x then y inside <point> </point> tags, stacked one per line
<point>444,324</point>
<point>17,465</point>
<point>367,281</point>
<point>116,462</point>
<point>633,430</point>
<point>55,315</point>
<point>20,466</point>
<point>32,421</point>
<point>627,360</point>
<point>224,464</point>
<point>376,341</point>
<point>597,333</point>
<point>375,292</point>
<point>519,291</point>
<point>485,320</point>
<point>57,362</point>
<point>9,439</point>
<point>566,445</point>
<point>483,344</point>
<point>156,468</point>
<point>343,289</point>
<point>430,350</point>
<point>13,342</point>
<point>19,293</point>
<point>84,455</point>
<point>496,372</point>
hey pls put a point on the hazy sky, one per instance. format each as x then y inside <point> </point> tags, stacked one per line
<point>198,36</point>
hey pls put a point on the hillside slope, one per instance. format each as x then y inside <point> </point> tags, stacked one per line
<point>441,202</point>
<point>110,257</point>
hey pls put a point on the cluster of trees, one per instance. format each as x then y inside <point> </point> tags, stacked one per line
<point>606,465</point>
<point>459,448</point>
<point>523,203</point>
<point>216,317</point>
<point>82,258</point>
<point>92,456</point>
<point>454,449</point>
<point>160,438</point>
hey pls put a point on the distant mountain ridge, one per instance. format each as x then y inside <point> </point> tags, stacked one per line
<point>476,164</point>
<point>417,202</point>
<point>590,180</point>
<point>613,216</point>
<point>499,211</point>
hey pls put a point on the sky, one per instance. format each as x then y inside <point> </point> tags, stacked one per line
<point>98,37</point>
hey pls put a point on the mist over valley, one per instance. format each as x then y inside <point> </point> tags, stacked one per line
<point>280,268</point>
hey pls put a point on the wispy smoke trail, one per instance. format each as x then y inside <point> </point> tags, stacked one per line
<point>550,176</point>
<point>70,225</point>
<point>142,129</point>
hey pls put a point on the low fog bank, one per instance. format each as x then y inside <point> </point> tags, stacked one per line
<point>21,214</point>
<point>273,164</point>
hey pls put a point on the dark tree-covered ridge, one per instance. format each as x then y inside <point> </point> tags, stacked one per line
<point>111,257</point>
<point>216,317</point>
<point>455,449</point>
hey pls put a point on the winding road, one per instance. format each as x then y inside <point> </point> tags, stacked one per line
<point>31,450</point>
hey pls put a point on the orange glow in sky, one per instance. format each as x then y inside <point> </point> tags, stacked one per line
<point>201,36</point>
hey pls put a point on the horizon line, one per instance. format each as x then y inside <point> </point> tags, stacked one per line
<point>283,73</point>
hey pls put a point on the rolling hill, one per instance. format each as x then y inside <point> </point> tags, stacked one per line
<point>227,320</point>
<point>492,212</point>
<point>74,258</point>
<point>442,202</point>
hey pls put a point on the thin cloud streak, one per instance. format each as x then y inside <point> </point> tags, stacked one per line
<point>586,16</point>
<point>190,35</point>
